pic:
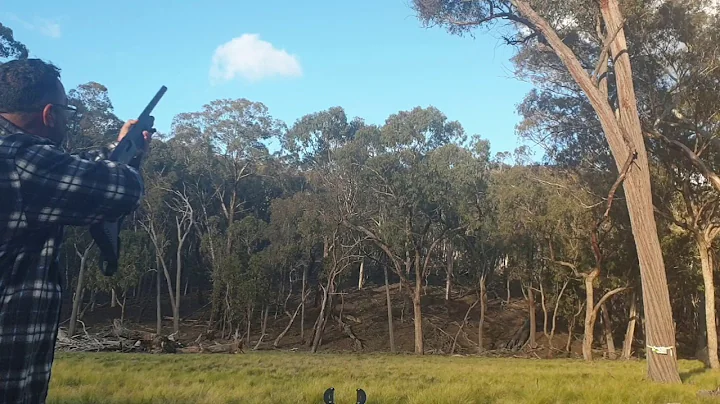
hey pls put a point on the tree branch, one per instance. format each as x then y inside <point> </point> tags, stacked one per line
<point>690,155</point>
<point>607,296</point>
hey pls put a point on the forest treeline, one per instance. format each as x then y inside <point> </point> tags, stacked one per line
<point>252,211</point>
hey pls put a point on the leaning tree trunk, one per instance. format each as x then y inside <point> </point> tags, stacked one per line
<point>325,308</point>
<point>630,332</point>
<point>662,362</point>
<point>78,291</point>
<point>389,311</point>
<point>626,141</point>
<point>706,262</point>
<point>607,328</point>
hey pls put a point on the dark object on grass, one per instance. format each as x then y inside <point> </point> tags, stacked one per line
<point>329,396</point>
<point>361,396</point>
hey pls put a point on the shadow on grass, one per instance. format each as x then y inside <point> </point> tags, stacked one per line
<point>685,376</point>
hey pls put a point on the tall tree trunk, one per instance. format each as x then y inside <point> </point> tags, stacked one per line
<point>78,290</point>
<point>158,296</point>
<point>449,271</point>
<point>113,297</point>
<point>483,308</point>
<point>361,276</point>
<point>706,262</point>
<point>589,333</point>
<point>263,327</point>
<point>389,310</point>
<point>417,319</point>
<point>607,329</point>
<point>178,283</point>
<point>630,332</point>
<point>322,317</point>
<point>417,307</point>
<point>662,365</point>
<point>507,289</point>
<point>533,320</point>
<point>554,318</point>
<point>122,310</point>
<point>250,309</point>
<point>625,138</point>
<point>546,315</point>
<point>302,305</point>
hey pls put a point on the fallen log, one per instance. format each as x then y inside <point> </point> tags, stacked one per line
<point>119,330</point>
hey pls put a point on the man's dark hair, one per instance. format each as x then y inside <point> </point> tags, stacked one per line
<point>25,84</point>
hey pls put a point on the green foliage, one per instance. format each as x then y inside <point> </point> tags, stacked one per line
<point>10,48</point>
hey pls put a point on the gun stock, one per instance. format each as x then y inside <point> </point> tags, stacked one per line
<point>107,234</point>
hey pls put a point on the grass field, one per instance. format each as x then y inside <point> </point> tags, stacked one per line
<point>301,378</point>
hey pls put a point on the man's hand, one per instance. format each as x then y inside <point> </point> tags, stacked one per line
<point>126,128</point>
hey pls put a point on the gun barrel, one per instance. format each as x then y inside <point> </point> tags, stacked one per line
<point>148,109</point>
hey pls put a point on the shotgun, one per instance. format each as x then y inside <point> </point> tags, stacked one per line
<point>107,234</point>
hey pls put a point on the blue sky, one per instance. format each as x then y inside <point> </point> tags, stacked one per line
<point>373,58</point>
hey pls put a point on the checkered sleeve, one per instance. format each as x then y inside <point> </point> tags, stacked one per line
<point>83,189</point>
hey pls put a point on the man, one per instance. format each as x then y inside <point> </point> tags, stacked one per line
<point>43,189</point>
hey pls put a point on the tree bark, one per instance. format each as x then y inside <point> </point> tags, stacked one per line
<point>158,295</point>
<point>483,308</point>
<point>417,319</point>
<point>322,318</point>
<point>78,290</point>
<point>533,320</point>
<point>287,328</point>
<point>361,276</point>
<point>707,265</point>
<point>630,332</point>
<point>263,327</point>
<point>417,308</point>
<point>178,280</point>
<point>507,289</point>
<point>113,297</point>
<point>449,270</point>
<point>554,318</point>
<point>589,333</point>
<point>624,140</point>
<point>607,328</point>
<point>662,367</point>
<point>302,305</point>
<point>546,315</point>
<point>250,309</point>
<point>389,311</point>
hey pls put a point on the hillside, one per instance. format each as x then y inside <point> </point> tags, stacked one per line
<point>365,311</point>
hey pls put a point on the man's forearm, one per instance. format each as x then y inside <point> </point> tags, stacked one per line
<point>98,153</point>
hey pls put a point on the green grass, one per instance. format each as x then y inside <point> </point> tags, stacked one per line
<point>275,377</point>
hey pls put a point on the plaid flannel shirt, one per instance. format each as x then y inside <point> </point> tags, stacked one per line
<point>43,189</point>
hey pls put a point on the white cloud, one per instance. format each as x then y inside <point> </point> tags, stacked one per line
<point>253,59</point>
<point>45,26</point>
<point>49,28</point>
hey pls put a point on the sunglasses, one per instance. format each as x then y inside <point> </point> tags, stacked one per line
<point>70,110</point>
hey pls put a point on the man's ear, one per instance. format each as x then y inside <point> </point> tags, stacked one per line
<point>48,115</point>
